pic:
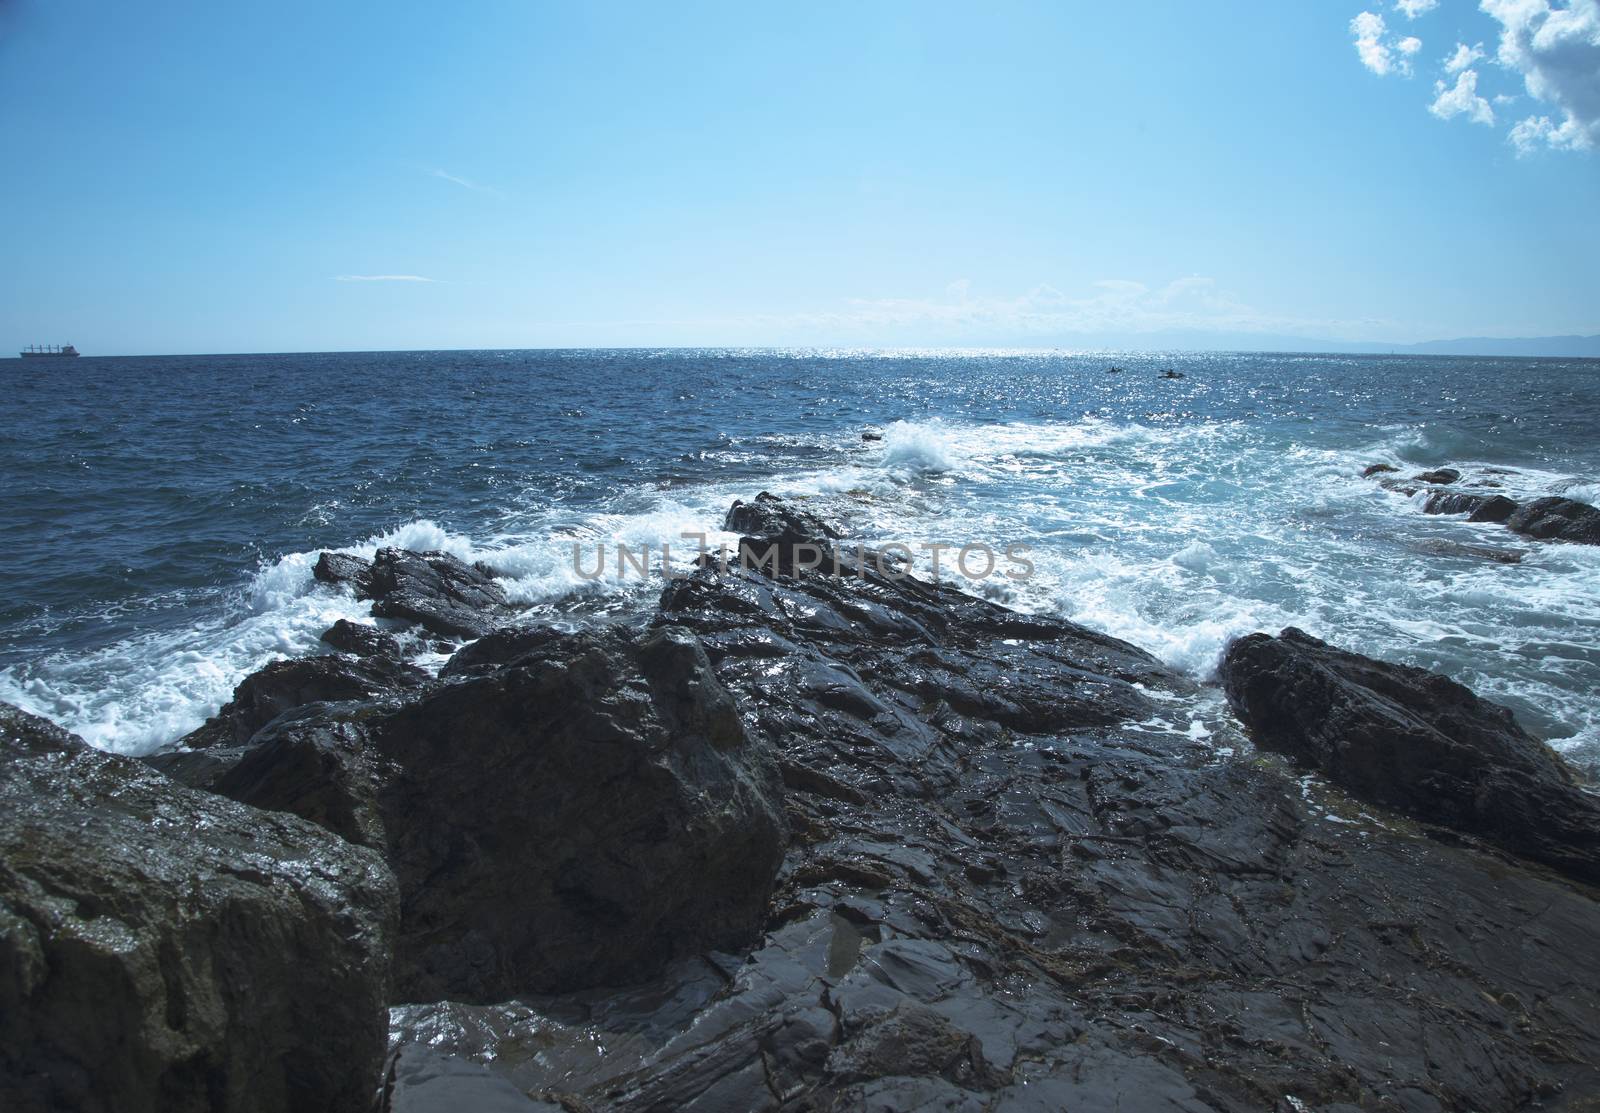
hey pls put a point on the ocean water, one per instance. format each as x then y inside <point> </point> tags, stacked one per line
<point>162,514</point>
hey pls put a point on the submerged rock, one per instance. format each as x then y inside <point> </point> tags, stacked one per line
<point>166,949</point>
<point>1438,475</point>
<point>1477,508</point>
<point>1414,741</point>
<point>1557,519</point>
<point>1376,469</point>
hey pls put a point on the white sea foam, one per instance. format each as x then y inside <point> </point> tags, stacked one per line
<point>1176,537</point>
<point>925,448</point>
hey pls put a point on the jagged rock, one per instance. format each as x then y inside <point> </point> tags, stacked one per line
<point>319,767</point>
<point>576,818</point>
<point>360,639</point>
<point>441,593</point>
<point>342,568</point>
<point>802,648</point>
<point>1438,475</point>
<point>1557,519</point>
<point>774,519</point>
<point>1376,469</point>
<point>1477,508</point>
<point>500,648</point>
<point>167,949</point>
<point>283,685</point>
<point>1015,875</point>
<point>1414,741</point>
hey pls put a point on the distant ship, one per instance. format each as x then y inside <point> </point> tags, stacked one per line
<point>48,351</point>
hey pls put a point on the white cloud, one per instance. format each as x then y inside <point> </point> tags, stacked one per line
<point>1463,57</point>
<point>1461,99</point>
<point>1368,29</point>
<point>1557,52</point>
<point>380,278</point>
<point>1378,50</point>
<point>1541,131</point>
<point>1414,8</point>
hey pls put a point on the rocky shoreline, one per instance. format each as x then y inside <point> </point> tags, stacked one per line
<point>803,839</point>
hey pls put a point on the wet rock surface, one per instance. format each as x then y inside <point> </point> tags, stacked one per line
<point>577,818</point>
<point>1557,519</point>
<point>360,640</point>
<point>1414,741</point>
<point>286,685</point>
<point>166,949</point>
<point>1477,508</point>
<point>837,838</point>
<point>1015,882</point>
<point>439,592</point>
<point>1552,518</point>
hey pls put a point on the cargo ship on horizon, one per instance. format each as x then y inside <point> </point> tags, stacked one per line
<point>48,351</point>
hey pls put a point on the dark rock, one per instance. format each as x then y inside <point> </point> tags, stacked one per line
<point>1376,469</point>
<point>1414,741</point>
<point>577,818</point>
<point>1478,508</point>
<point>166,949</point>
<point>870,436</point>
<point>360,639</point>
<point>1439,546</point>
<point>319,767</point>
<point>1404,487</point>
<point>342,569</point>
<point>441,593</point>
<point>283,685</point>
<point>1557,519</point>
<point>492,651</point>
<point>1438,475</point>
<point>1013,879</point>
<point>774,519</point>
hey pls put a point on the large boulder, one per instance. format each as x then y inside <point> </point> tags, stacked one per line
<point>1557,519</point>
<point>1415,741</point>
<point>441,593</point>
<point>577,818</point>
<point>167,949</point>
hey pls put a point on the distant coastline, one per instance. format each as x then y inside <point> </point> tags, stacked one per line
<point>1529,347</point>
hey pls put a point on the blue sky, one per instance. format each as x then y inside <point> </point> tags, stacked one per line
<point>204,177</point>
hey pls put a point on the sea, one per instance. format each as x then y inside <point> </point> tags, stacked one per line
<point>162,514</point>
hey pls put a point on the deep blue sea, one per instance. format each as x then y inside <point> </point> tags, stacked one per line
<point>162,514</point>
